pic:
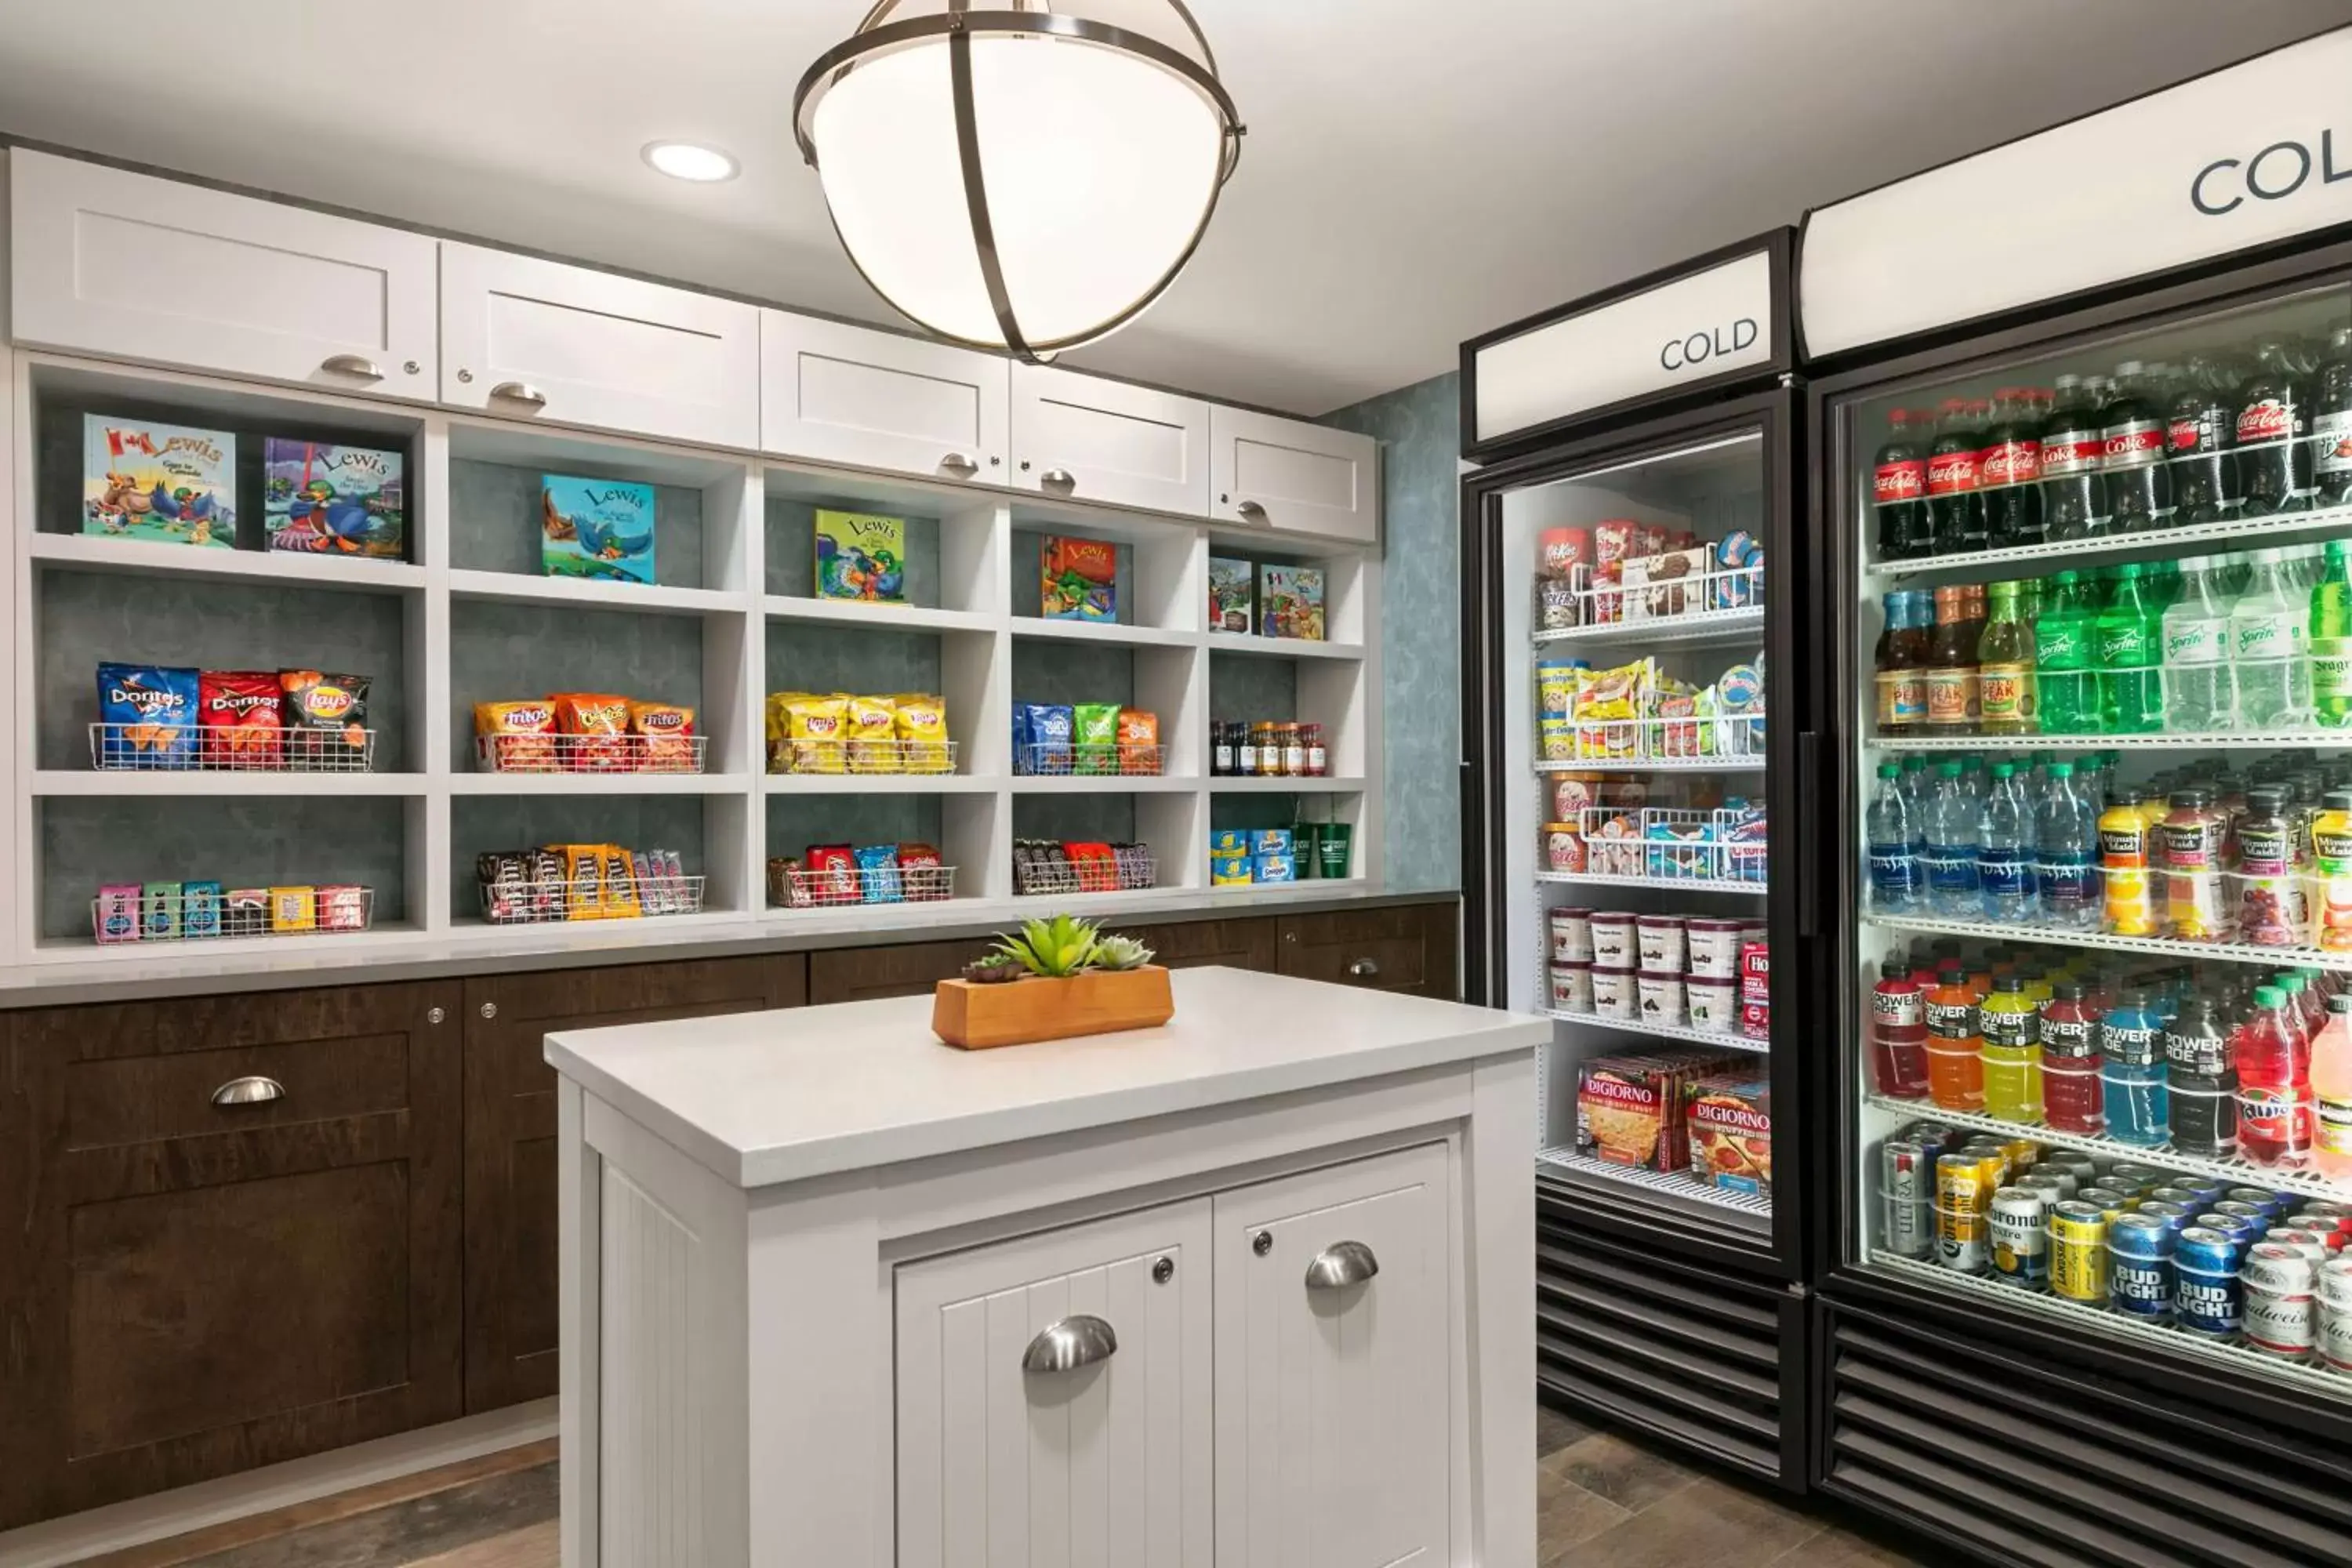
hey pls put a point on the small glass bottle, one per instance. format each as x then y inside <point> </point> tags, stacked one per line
<point>1244,750</point>
<point>1268,736</point>
<point>1293,752</point>
<point>1319,761</point>
<point>1222,762</point>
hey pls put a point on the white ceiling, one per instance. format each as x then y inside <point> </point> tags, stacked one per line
<point>1416,171</point>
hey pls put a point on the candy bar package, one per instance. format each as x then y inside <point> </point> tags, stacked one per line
<point>833,874</point>
<point>245,911</point>
<point>293,909</point>
<point>923,873</point>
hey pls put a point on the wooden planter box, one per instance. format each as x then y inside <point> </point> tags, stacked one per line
<point>1017,1012</point>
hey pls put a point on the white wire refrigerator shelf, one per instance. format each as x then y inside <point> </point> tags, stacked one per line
<point>1672,1183</point>
<point>2201,741</point>
<point>2236,532</point>
<point>2164,947</point>
<point>1732,625</point>
<point>1730,1040</point>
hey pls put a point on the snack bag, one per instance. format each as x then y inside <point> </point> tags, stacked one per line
<point>293,909</point>
<point>1606,700</point>
<point>596,727</point>
<point>1139,742</point>
<point>816,742</point>
<point>923,873</point>
<point>922,726</point>
<point>516,737</point>
<point>1078,580</point>
<point>664,732</point>
<point>116,918</point>
<point>872,726</point>
<point>1095,737</point>
<point>326,719</point>
<point>878,874</point>
<point>1097,866</point>
<point>833,874</point>
<point>621,899</point>
<point>780,728</point>
<point>239,715</point>
<point>148,714</point>
<point>342,908</point>
<point>1042,734</point>
<point>583,881</point>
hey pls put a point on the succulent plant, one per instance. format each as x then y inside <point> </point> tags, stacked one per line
<point>994,970</point>
<point>1055,948</point>
<point>1120,952</point>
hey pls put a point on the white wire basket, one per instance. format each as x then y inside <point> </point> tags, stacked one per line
<point>1039,874</point>
<point>1056,761</point>
<point>590,754</point>
<point>184,911</point>
<point>1667,843</point>
<point>1676,586</point>
<point>1684,740</point>
<point>862,757</point>
<point>228,749</point>
<point>793,886</point>
<point>654,888</point>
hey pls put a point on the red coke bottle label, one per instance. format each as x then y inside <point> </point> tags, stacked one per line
<point>2269,420</point>
<point>1951,473</point>
<point>2010,463</point>
<point>1905,480</point>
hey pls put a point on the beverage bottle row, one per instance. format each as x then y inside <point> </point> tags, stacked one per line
<point>2219,1061</point>
<point>2194,855</point>
<point>2210,439</point>
<point>2206,644</point>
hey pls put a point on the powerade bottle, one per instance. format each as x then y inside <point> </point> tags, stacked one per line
<point>1896,847</point>
<point>2069,839</point>
<point>2009,1023</point>
<point>2066,687</point>
<point>2201,1068</point>
<point>2133,1077</point>
<point>1953,889</point>
<point>2004,851</point>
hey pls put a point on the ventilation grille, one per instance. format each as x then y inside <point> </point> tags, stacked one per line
<point>2026,1462</point>
<point>1673,1350</point>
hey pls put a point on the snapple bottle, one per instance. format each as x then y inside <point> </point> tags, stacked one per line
<point>2071,1098</point>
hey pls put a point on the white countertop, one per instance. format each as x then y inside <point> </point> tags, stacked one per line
<point>764,1097</point>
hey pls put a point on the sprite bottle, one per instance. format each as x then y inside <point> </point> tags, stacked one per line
<point>2066,681</point>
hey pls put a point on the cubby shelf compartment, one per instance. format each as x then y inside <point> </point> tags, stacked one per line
<point>95,553</point>
<point>168,782</point>
<point>866,618</point>
<point>1102,633</point>
<point>1280,647</point>
<point>598,783</point>
<point>1254,784</point>
<point>881,784</point>
<point>516,587</point>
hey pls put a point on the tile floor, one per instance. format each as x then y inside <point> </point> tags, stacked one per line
<point>1602,1498</point>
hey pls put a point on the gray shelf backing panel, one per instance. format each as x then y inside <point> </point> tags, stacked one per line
<point>91,841</point>
<point>494,524</point>
<point>823,658</point>
<point>1073,672</point>
<point>480,823</point>
<point>797,821</point>
<point>1241,686</point>
<point>791,551</point>
<point>87,617</point>
<point>1243,812</point>
<point>1109,818</point>
<point>1029,574</point>
<point>501,652</point>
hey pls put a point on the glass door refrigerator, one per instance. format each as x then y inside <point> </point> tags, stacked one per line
<point>1632,605</point>
<point>2087,806</point>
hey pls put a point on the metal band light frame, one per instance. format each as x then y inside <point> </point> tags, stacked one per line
<point>958,27</point>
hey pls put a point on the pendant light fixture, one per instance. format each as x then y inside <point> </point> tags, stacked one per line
<point>1020,179</point>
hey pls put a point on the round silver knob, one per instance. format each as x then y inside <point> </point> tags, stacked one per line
<point>1261,1243</point>
<point>1068,1344</point>
<point>1163,1269</point>
<point>490,1009</point>
<point>465,375</point>
<point>434,1015</point>
<point>411,366</point>
<point>1060,478</point>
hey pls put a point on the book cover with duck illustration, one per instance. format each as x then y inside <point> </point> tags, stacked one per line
<point>332,500</point>
<point>167,484</point>
<point>861,556</point>
<point>601,529</point>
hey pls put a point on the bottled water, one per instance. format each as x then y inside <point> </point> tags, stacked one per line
<point>2269,645</point>
<point>1951,834</point>
<point>1917,781</point>
<point>1896,847</point>
<point>2069,843</point>
<point>1973,780</point>
<point>2200,693</point>
<point>2004,851</point>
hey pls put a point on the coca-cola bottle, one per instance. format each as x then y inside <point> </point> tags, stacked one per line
<point>2273,422</point>
<point>1899,487</point>
<point>2200,426</point>
<point>1954,510</point>
<point>2009,468</point>
<point>2132,431</point>
<point>2331,425</point>
<point>2073,490</point>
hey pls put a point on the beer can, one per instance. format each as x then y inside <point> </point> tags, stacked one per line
<point>2175,1215</point>
<point>1991,1155</point>
<point>2311,1244</point>
<point>2137,1178</point>
<point>2078,1252</point>
<point>2110,1201</point>
<point>2082,1167</point>
<point>2322,1205</point>
<point>2281,1315</point>
<point>2334,1294</point>
<point>2056,1186</point>
<point>1964,1189</point>
<point>2023,1153</point>
<point>2263,1198</point>
<point>2207,1297</point>
<point>2139,1266</point>
<point>2241,1231</point>
<point>2186,1197</point>
<point>2019,1223</point>
<point>1907,1192</point>
<point>2260,1218</point>
<point>2320,1225</point>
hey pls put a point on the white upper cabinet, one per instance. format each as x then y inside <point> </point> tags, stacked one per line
<point>835,394</point>
<point>1334,1417</point>
<point>529,339</point>
<point>1084,438</point>
<point>109,262</point>
<point>1295,477</point>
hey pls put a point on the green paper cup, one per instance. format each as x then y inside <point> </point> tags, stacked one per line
<point>1331,848</point>
<point>1303,838</point>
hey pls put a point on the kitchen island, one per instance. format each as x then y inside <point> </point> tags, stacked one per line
<point>835,1294</point>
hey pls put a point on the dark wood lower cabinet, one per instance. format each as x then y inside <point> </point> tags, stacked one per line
<point>902,968</point>
<point>1188,945</point>
<point>1414,949</point>
<point>510,1270</point>
<point>190,1288</point>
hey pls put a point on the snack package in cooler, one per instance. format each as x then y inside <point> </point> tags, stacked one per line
<point>1730,1119</point>
<point>239,719</point>
<point>1557,681</point>
<point>922,722</point>
<point>325,717</point>
<point>871,724</point>
<point>148,714</point>
<point>1139,742</point>
<point>665,736</point>
<point>1664,585</point>
<point>816,729</point>
<point>1630,1109</point>
<point>516,737</point>
<point>923,873</point>
<point>1738,563</point>
<point>1095,737</point>
<point>1605,700</point>
<point>879,875</point>
<point>595,727</point>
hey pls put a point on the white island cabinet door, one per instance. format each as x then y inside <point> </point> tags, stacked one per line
<point>108,262</point>
<point>528,338</point>
<point>1080,437</point>
<point>1333,1434</point>
<point>1294,478</point>
<point>1105,1464</point>
<point>836,394</point>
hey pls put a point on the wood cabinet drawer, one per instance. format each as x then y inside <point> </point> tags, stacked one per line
<point>141,1098</point>
<point>839,393</point>
<point>110,262</point>
<point>1294,478</point>
<point>902,968</point>
<point>1084,439</point>
<point>1407,948</point>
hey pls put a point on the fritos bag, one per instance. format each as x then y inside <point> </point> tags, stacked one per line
<point>664,732</point>
<point>521,736</point>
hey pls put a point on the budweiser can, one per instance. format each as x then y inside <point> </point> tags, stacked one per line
<point>2334,1291</point>
<point>2280,1311</point>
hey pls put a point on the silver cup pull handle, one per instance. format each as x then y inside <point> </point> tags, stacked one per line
<point>1340,1265</point>
<point>1252,510</point>
<point>1068,1344</point>
<point>358,365</point>
<point>960,463</point>
<point>519,392</point>
<point>1060,478</point>
<point>253,1090</point>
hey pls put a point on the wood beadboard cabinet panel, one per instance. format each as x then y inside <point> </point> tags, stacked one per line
<point>1409,948</point>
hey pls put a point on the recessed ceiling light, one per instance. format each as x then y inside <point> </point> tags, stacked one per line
<point>687,160</point>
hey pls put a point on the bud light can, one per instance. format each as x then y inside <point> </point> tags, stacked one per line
<point>2207,1297</point>
<point>2078,1252</point>
<point>2021,1236</point>
<point>2269,1202</point>
<point>2175,1215</point>
<point>2140,1266</point>
<point>2260,1219</point>
<point>2241,1231</point>
<point>2281,1317</point>
<point>2187,1197</point>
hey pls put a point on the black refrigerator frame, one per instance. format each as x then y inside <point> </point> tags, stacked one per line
<point>1618,1275</point>
<point>1898,1365</point>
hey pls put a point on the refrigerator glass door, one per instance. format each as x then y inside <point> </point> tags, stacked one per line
<point>2088,775</point>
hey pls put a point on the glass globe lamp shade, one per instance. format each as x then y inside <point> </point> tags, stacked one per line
<point>1018,180</point>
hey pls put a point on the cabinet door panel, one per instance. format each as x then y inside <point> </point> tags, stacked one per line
<point>902,968</point>
<point>838,394</point>
<point>511,1263</point>
<point>542,340</point>
<point>1408,948</point>
<point>1248,942</point>
<point>1084,439</point>
<point>1292,477</point>
<point>1105,1465</point>
<point>192,1289</point>
<point>110,262</point>
<point>1333,1437</point>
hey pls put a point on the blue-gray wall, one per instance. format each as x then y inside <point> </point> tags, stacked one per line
<point>1419,429</point>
